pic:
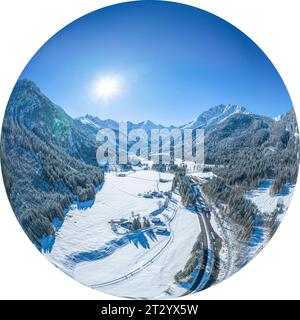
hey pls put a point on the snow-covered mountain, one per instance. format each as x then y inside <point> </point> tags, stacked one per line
<point>97,123</point>
<point>206,119</point>
<point>214,116</point>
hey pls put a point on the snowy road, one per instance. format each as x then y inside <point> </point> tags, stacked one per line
<point>139,264</point>
<point>208,235</point>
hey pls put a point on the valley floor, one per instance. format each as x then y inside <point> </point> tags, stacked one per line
<point>137,264</point>
<point>143,263</point>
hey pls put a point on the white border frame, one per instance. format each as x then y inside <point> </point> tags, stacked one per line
<point>26,25</point>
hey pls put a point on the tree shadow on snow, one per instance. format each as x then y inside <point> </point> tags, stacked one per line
<point>285,191</point>
<point>151,235</point>
<point>137,238</point>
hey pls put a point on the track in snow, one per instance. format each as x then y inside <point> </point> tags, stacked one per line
<point>142,267</point>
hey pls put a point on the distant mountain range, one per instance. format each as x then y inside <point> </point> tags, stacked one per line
<point>205,120</point>
<point>49,159</point>
<point>109,123</point>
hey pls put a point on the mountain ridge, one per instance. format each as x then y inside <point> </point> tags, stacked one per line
<point>206,119</point>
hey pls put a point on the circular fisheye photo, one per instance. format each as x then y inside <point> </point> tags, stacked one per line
<point>149,150</point>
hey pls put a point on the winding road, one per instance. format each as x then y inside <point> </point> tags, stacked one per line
<point>205,270</point>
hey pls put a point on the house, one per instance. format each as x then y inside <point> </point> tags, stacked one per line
<point>114,227</point>
<point>148,195</point>
<point>116,221</point>
<point>121,174</point>
<point>161,229</point>
<point>156,220</point>
<point>125,222</point>
<point>157,194</point>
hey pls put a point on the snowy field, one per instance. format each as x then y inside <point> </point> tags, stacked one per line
<point>267,203</point>
<point>137,264</point>
<point>231,248</point>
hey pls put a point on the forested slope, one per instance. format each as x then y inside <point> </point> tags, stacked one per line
<point>42,167</point>
<point>246,150</point>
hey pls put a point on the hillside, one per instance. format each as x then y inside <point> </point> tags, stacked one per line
<point>40,161</point>
<point>250,148</point>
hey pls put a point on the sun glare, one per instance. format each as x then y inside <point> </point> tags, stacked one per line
<point>107,87</point>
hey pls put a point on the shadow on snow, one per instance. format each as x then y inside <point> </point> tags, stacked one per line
<point>137,238</point>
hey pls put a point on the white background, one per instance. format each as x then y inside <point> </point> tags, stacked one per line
<point>26,25</point>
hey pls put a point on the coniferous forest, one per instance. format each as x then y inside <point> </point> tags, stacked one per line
<point>42,178</point>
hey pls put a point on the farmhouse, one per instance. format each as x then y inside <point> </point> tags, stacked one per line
<point>156,220</point>
<point>161,229</point>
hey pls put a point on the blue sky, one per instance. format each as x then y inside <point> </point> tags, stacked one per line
<point>174,62</point>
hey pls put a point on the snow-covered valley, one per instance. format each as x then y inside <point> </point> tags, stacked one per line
<point>233,250</point>
<point>267,203</point>
<point>137,264</point>
<point>143,263</point>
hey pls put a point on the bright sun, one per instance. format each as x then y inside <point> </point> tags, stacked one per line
<point>107,87</point>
